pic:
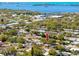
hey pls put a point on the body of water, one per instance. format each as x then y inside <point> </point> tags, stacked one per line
<point>54,7</point>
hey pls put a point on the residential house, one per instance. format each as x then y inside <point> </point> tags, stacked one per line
<point>74,49</point>
<point>54,16</point>
<point>38,17</point>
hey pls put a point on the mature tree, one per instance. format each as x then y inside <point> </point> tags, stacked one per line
<point>36,51</point>
<point>12,39</point>
<point>60,37</point>
<point>20,45</point>
<point>43,40</point>
<point>52,52</point>
<point>9,51</point>
<point>20,40</point>
<point>59,47</point>
<point>51,41</point>
<point>3,37</point>
<point>11,32</point>
<point>12,50</point>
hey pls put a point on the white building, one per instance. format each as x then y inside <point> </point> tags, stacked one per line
<point>11,24</point>
<point>38,17</point>
<point>21,31</point>
<point>71,31</point>
<point>2,26</point>
<point>46,51</point>
<point>75,39</point>
<point>75,43</point>
<point>68,30</point>
<point>54,16</point>
<point>66,53</point>
<point>74,49</point>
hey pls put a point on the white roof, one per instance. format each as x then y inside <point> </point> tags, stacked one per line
<point>28,49</point>
<point>75,42</point>
<point>66,53</point>
<point>46,53</point>
<point>22,30</point>
<point>41,30</point>
<point>75,49</point>
<point>72,38</point>
<point>55,16</point>
<point>12,24</point>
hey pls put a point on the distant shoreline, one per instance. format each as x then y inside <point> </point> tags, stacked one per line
<point>27,11</point>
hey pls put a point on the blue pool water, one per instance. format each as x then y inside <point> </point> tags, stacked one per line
<point>58,7</point>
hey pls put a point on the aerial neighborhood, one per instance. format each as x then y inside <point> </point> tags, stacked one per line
<point>28,33</point>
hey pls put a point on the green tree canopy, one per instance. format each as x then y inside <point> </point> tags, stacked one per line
<point>52,52</point>
<point>3,37</point>
<point>36,51</point>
